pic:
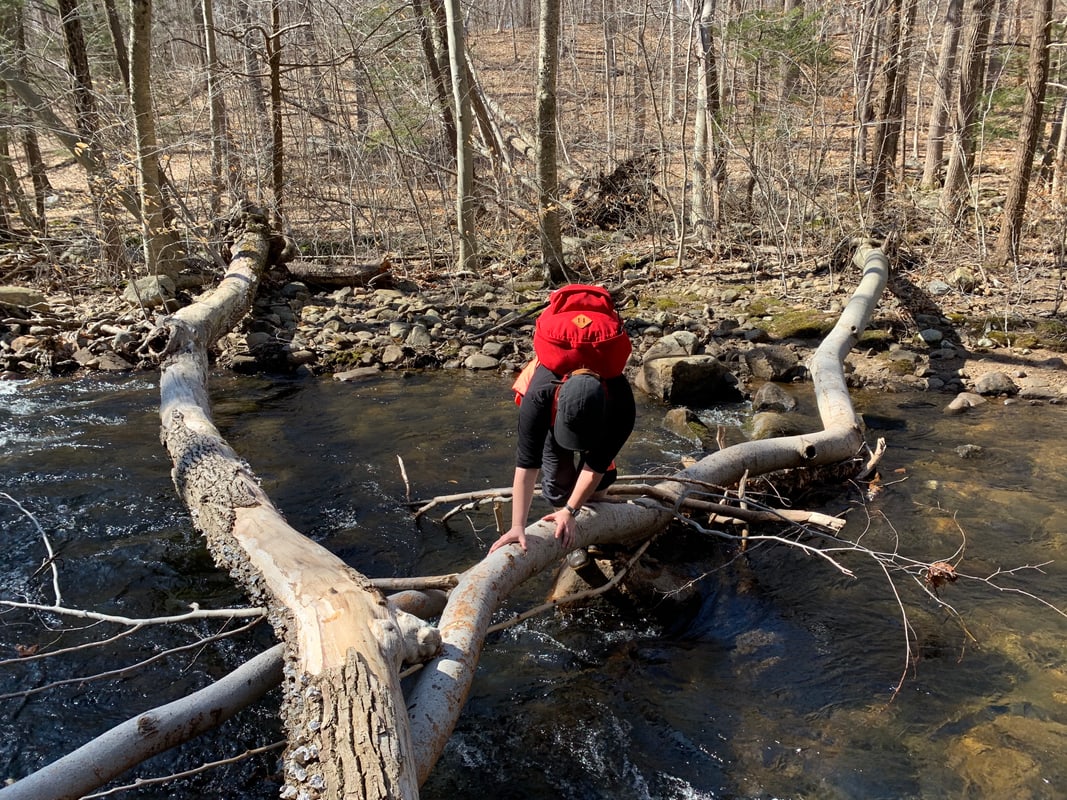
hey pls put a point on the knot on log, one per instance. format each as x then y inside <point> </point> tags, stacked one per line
<point>168,337</point>
<point>407,638</point>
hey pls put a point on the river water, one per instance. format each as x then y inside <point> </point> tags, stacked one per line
<point>781,682</point>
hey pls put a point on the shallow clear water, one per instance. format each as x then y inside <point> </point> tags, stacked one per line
<point>779,683</point>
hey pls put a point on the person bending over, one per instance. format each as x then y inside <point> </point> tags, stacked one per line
<point>571,428</point>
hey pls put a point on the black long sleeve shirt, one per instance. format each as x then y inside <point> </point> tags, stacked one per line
<point>535,421</point>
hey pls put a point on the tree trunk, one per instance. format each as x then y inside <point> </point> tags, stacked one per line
<point>863,87</point>
<point>607,12</point>
<point>118,41</point>
<point>465,201</point>
<point>972,67</point>
<point>426,26</point>
<point>1059,159</point>
<point>9,180</point>
<point>88,126</point>
<point>1007,247</point>
<point>225,169</point>
<point>707,160</point>
<point>161,247</point>
<point>547,175</point>
<point>277,140</point>
<point>12,22</point>
<point>939,109</point>
<point>890,125</point>
<point>259,126</point>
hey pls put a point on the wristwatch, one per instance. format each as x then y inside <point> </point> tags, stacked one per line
<point>574,511</point>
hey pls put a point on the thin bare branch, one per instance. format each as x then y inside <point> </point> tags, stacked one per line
<point>50,562</point>
<point>131,668</point>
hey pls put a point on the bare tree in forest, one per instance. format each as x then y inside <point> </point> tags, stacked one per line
<point>258,127</point>
<point>708,164</point>
<point>548,216</point>
<point>939,108</point>
<point>867,47</point>
<point>10,186</point>
<point>439,40</point>
<point>118,40</point>
<point>965,124</point>
<point>225,170</point>
<point>161,247</point>
<point>888,131</point>
<point>611,66</point>
<point>277,141</point>
<point>87,122</point>
<point>465,201</point>
<point>1007,247</point>
<point>429,41</point>
<point>13,26</point>
<point>1058,153</point>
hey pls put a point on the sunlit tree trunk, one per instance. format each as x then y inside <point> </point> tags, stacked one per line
<point>160,241</point>
<point>610,68</point>
<point>1059,157</point>
<point>259,127</point>
<point>1007,247</point>
<point>939,108</point>
<point>964,136</point>
<point>708,168</point>
<point>547,175</point>
<point>465,201</point>
<point>42,187</point>
<point>10,187</point>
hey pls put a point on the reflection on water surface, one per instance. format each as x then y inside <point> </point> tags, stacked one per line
<point>780,685</point>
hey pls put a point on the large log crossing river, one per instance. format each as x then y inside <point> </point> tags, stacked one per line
<point>779,681</point>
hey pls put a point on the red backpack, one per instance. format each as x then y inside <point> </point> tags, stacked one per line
<point>581,329</point>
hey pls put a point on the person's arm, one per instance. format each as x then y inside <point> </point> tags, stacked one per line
<point>522,491</point>
<point>584,488</point>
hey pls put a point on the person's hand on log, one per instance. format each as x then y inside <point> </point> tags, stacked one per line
<point>517,535</point>
<point>566,526</point>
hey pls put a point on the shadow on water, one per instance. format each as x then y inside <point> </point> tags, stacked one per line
<point>778,681</point>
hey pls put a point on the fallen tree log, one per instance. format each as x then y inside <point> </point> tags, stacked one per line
<point>344,643</point>
<point>328,274</point>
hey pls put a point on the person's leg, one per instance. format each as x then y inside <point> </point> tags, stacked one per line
<point>558,473</point>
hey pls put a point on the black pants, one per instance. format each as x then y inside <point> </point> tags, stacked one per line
<point>559,473</point>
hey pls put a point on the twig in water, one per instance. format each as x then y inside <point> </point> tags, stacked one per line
<point>50,562</point>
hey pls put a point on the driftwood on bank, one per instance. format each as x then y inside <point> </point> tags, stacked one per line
<point>349,733</point>
<point>328,274</point>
